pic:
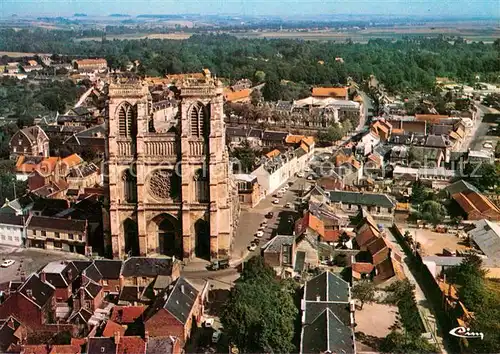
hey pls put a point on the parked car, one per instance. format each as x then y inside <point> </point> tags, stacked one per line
<point>263,223</point>
<point>209,323</point>
<point>252,247</point>
<point>269,215</point>
<point>276,201</point>
<point>219,264</point>
<point>310,177</point>
<point>7,263</point>
<point>300,175</point>
<point>288,205</point>
<point>259,233</point>
<point>216,336</point>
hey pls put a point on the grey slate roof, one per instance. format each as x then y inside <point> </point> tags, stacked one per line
<point>92,289</point>
<point>147,267</point>
<point>236,131</point>
<point>326,324</point>
<point>36,290</point>
<point>62,277</point>
<point>437,141</point>
<point>161,345</point>
<point>109,269</point>
<point>101,345</point>
<point>93,273</point>
<point>277,242</point>
<point>11,219</point>
<point>274,136</point>
<point>328,334</point>
<point>179,301</point>
<point>358,198</point>
<point>81,265</point>
<point>328,287</point>
<point>460,187</point>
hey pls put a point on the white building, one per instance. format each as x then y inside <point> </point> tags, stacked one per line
<point>274,172</point>
<point>11,230</point>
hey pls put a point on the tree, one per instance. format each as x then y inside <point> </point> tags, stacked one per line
<point>333,134</point>
<point>255,97</point>
<point>433,212</point>
<point>418,193</point>
<point>246,156</point>
<point>484,177</point>
<point>260,312</point>
<point>260,76</point>
<point>397,342</point>
<point>364,291</point>
<point>272,90</point>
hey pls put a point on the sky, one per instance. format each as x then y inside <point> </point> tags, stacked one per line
<point>440,8</point>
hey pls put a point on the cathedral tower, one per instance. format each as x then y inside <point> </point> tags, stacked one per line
<point>170,192</point>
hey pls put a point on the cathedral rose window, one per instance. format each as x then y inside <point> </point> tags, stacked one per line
<point>160,184</point>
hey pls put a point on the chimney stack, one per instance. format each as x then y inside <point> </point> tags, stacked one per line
<point>43,277</point>
<point>146,336</point>
<point>117,338</point>
<point>182,289</point>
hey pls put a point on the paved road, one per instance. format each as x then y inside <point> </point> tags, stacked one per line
<point>29,260</point>
<point>424,306</point>
<point>480,136</point>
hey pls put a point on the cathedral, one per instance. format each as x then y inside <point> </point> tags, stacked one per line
<point>171,191</point>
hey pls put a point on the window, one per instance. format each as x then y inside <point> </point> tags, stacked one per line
<point>34,232</point>
<point>10,238</point>
<point>15,149</point>
<point>80,238</point>
<point>71,237</point>
<point>20,142</point>
<point>378,209</point>
<point>56,235</point>
<point>127,120</point>
<point>44,233</point>
<point>201,185</point>
<point>57,244</point>
<point>104,282</point>
<point>198,120</point>
<point>3,237</point>
<point>241,198</point>
<point>130,186</point>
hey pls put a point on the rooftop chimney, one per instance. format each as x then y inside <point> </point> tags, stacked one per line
<point>43,277</point>
<point>117,337</point>
<point>182,289</point>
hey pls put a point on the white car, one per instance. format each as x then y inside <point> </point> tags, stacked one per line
<point>300,175</point>
<point>263,223</point>
<point>259,233</point>
<point>488,145</point>
<point>309,178</point>
<point>209,322</point>
<point>307,169</point>
<point>252,247</point>
<point>216,336</point>
<point>7,263</point>
<point>276,201</point>
<point>288,205</point>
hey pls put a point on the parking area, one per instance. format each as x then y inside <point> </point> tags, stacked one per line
<point>432,243</point>
<point>28,260</point>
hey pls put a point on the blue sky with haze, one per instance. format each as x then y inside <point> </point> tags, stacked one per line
<point>446,8</point>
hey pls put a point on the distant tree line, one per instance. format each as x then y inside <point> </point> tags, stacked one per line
<point>408,64</point>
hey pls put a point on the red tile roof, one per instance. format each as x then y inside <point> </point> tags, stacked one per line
<point>232,96</point>
<point>112,328</point>
<point>35,349</point>
<point>331,235</point>
<point>472,201</point>
<point>312,222</point>
<point>329,92</point>
<point>273,153</point>
<point>131,345</point>
<point>365,234</point>
<point>376,246</point>
<point>363,268</point>
<point>65,349</point>
<point>126,314</point>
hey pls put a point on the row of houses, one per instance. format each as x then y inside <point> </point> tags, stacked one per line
<point>123,307</point>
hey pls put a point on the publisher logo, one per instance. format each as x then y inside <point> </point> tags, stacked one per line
<point>463,332</point>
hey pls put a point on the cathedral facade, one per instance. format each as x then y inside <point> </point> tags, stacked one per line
<point>171,192</point>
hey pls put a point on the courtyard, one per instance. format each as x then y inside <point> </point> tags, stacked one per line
<point>432,243</point>
<point>373,323</point>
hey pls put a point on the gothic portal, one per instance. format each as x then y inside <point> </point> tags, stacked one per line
<point>170,191</point>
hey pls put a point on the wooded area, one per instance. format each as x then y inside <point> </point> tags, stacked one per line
<point>401,65</point>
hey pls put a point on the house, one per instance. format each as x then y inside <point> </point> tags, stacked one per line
<point>273,138</point>
<point>11,230</point>
<point>32,303</point>
<point>367,143</point>
<point>327,316</point>
<point>60,274</point>
<point>238,96</point>
<point>486,235</point>
<point>116,344</point>
<point>279,252</point>
<point>89,297</point>
<point>249,193</point>
<point>90,65</point>
<point>174,310</point>
<point>380,205</point>
<point>111,328</point>
<point>105,272</point>
<point>382,129</point>
<point>19,206</point>
<point>65,349</point>
<point>475,205</point>
<point>57,233</point>
<point>84,176</point>
<point>12,334</point>
<point>125,315</point>
<point>46,168</point>
<point>93,139</point>
<point>142,271</point>
<point>339,93</point>
<point>163,345</point>
<point>30,141</point>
